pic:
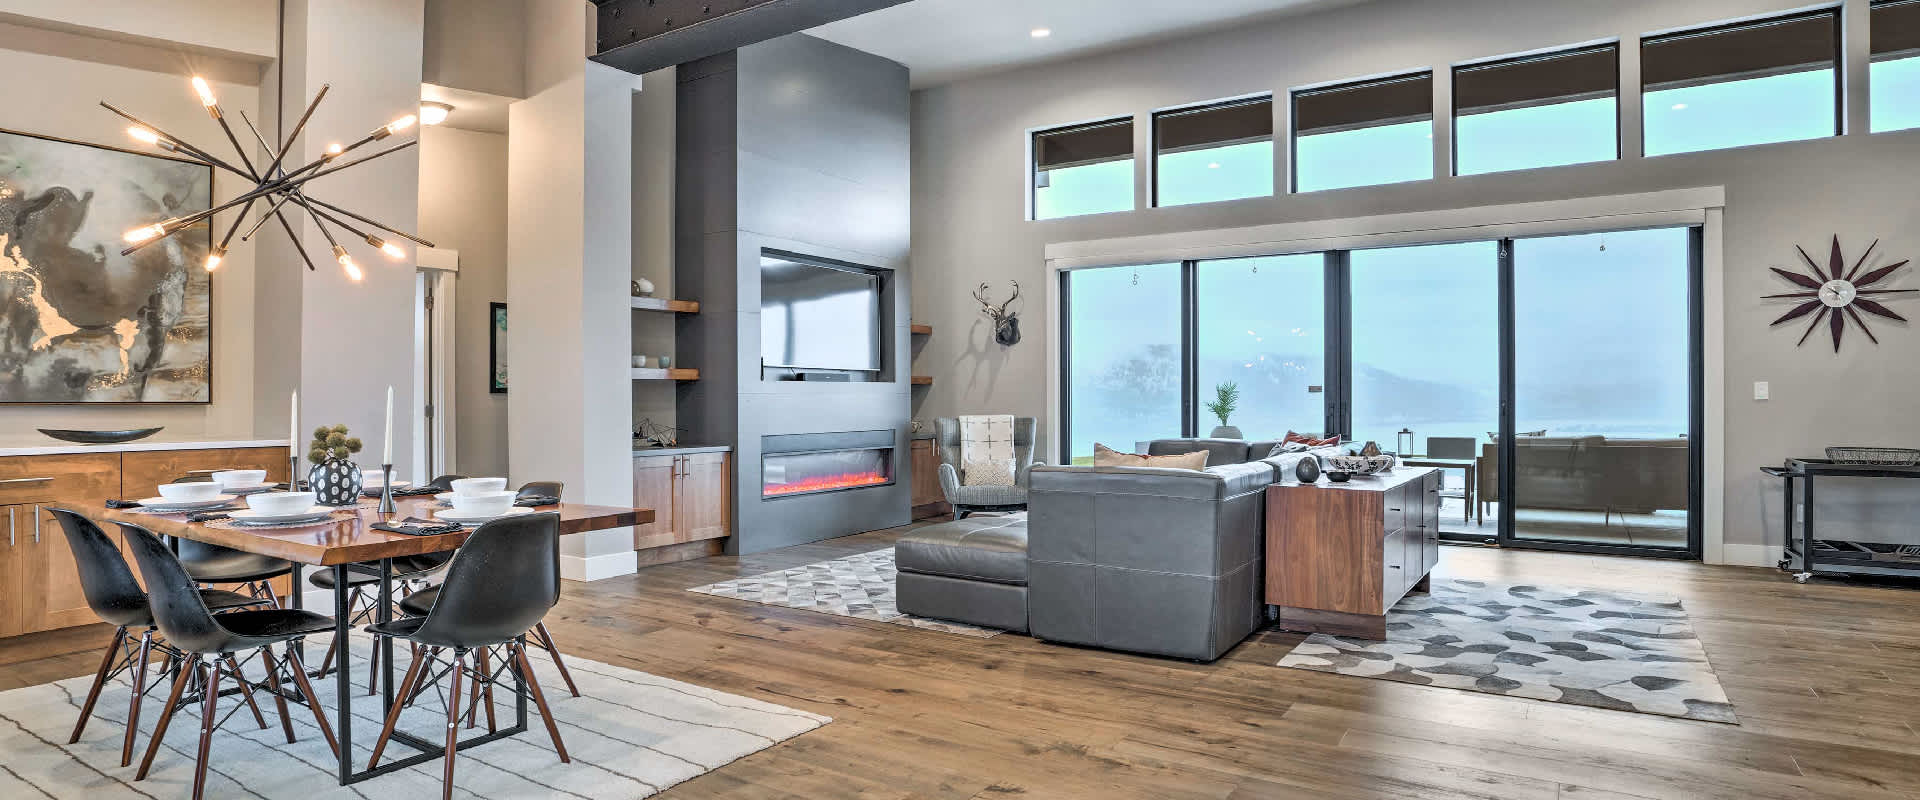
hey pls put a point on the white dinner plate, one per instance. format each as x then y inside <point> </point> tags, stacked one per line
<point>163,504</point>
<point>445,497</point>
<point>450,515</point>
<point>252,516</point>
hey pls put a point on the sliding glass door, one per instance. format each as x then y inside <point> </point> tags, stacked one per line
<point>1603,383</point>
<point>1261,329</point>
<point>1124,362</point>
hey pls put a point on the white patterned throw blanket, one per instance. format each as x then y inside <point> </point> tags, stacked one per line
<point>986,449</point>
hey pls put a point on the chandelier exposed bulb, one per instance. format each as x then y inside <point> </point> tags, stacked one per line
<point>143,135</point>
<point>394,127</point>
<point>346,262</point>
<point>145,232</point>
<point>215,256</point>
<point>206,92</point>
<point>392,250</point>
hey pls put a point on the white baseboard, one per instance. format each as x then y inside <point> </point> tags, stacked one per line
<point>600,567</point>
<point>1750,555</point>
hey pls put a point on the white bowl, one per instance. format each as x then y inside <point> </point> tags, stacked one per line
<point>478,486</point>
<point>240,477</point>
<point>280,502</point>
<point>190,492</point>
<point>489,504</point>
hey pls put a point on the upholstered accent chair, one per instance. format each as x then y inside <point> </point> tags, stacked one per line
<point>969,499</point>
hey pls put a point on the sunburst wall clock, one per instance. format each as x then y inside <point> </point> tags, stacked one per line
<point>1837,294</point>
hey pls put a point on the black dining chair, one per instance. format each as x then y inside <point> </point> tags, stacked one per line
<point>473,620</point>
<point>116,597</point>
<point>407,570</point>
<point>211,563</point>
<point>418,603</point>
<point>208,642</point>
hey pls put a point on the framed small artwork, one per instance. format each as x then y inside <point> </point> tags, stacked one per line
<point>497,348</point>
<point>79,322</point>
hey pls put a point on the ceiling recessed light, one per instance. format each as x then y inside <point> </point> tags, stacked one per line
<point>1042,33</point>
<point>1679,106</point>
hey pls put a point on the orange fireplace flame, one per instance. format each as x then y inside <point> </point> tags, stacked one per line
<point>847,480</point>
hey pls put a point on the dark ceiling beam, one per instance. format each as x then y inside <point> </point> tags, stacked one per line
<point>641,36</point>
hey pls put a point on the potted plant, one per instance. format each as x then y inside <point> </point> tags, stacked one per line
<point>1226,397</point>
<point>334,479</point>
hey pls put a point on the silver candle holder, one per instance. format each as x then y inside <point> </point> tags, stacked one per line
<point>386,489</point>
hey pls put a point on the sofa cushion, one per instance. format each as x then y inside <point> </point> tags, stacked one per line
<point>1104,456</point>
<point>987,495</point>
<point>1219,451</point>
<point>980,548</point>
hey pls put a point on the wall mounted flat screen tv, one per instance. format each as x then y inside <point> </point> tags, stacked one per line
<point>818,316</point>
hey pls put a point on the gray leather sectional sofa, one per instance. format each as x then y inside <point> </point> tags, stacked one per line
<point>1140,559</point>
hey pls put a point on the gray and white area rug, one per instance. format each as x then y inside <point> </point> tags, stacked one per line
<point>1587,647</point>
<point>858,586</point>
<point>630,734</point>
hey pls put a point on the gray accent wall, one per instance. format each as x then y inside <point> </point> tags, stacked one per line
<point>800,145</point>
<point>969,192</point>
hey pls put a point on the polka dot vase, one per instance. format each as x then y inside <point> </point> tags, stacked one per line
<point>335,482</point>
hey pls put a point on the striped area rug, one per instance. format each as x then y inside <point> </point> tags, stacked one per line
<point>631,735</point>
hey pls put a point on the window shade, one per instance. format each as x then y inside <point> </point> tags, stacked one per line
<point>1771,47</point>
<point>1896,29</point>
<point>1366,104</point>
<point>1214,126</point>
<point>1536,80</point>
<point>1083,144</point>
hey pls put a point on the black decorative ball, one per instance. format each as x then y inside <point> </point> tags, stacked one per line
<point>1308,470</point>
<point>1339,477</point>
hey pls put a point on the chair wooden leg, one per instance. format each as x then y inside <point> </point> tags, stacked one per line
<point>453,725</point>
<point>486,669</point>
<point>546,641</point>
<point>246,691</point>
<point>208,720</point>
<point>421,687</point>
<point>373,666</point>
<point>273,685</point>
<point>393,714</point>
<point>139,693</point>
<point>99,680</point>
<point>180,680</point>
<point>299,672</point>
<point>539,699</point>
<point>473,690</point>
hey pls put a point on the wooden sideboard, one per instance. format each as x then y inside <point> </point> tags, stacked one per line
<point>39,582</point>
<point>928,499</point>
<point>690,494</point>
<point>1340,555</point>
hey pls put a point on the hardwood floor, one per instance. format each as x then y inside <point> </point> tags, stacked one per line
<point>1825,679</point>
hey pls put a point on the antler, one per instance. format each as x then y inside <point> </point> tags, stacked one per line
<point>980,294</point>
<point>1003,306</point>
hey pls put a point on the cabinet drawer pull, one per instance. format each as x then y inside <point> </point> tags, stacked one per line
<point>36,524</point>
<point>25,480</point>
<point>9,526</point>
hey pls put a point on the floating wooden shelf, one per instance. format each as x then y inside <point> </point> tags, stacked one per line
<point>651,374</point>
<point>923,380</point>
<point>662,304</point>
<point>920,329</point>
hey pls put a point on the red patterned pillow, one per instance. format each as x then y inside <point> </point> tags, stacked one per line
<point>1332,441</point>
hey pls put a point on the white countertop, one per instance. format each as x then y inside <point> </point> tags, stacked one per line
<point>38,444</point>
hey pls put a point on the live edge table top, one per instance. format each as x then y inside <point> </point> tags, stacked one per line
<point>347,541</point>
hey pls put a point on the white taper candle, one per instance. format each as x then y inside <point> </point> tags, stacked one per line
<point>293,426</point>
<point>386,453</point>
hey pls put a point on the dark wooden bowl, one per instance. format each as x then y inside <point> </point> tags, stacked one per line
<point>100,437</point>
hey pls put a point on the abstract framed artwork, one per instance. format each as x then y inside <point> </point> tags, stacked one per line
<point>497,348</point>
<point>80,323</point>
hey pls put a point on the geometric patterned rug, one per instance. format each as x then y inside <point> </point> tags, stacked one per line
<point>1587,647</point>
<point>859,586</point>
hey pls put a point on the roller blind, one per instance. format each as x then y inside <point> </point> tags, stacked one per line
<point>1751,50</point>
<point>1537,80</point>
<point>1219,125</point>
<point>1081,145</point>
<point>1366,104</point>
<point>1895,29</point>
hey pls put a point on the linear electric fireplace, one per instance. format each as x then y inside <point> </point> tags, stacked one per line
<point>809,463</point>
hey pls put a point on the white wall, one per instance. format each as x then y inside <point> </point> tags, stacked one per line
<point>235,28</point>
<point>463,206</point>
<point>969,192</point>
<point>477,45</point>
<point>58,80</point>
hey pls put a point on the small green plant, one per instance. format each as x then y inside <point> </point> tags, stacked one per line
<point>1226,397</point>
<point>332,442</point>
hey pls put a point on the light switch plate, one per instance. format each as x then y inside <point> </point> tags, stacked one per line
<point>1760,390</point>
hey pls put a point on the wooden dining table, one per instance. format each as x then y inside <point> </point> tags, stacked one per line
<point>351,540</point>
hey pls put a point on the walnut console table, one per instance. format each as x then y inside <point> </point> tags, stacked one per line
<point>1340,554</point>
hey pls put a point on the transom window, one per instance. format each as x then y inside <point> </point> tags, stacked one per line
<point>1537,111</point>
<point>1365,133</point>
<point>1222,151</point>
<point>1751,83</point>
<point>1083,169</point>
<point>1895,73</point>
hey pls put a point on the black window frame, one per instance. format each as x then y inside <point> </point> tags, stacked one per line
<point>1453,114</point>
<point>1839,66</point>
<point>1153,144</point>
<point>1293,116</point>
<point>1033,160</point>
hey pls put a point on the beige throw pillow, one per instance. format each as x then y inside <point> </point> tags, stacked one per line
<point>987,472</point>
<point>1104,456</point>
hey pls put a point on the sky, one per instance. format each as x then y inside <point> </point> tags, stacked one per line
<point>1601,320</point>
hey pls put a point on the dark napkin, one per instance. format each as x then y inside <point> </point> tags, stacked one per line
<point>207,516</point>
<point>122,504</point>
<point>533,500</point>
<point>416,491</point>
<point>415,526</point>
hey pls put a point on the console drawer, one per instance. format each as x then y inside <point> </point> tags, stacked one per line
<point>58,478</point>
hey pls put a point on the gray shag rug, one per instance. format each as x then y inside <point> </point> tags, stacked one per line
<point>858,586</point>
<point>1587,647</point>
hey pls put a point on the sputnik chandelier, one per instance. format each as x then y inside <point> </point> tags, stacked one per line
<point>275,186</point>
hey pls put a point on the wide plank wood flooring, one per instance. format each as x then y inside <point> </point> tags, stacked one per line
<point>1824,677</point>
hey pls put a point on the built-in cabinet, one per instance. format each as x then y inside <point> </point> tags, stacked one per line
<point>928,499</point>
<point>39,582</point>
<point>689,494</point>
<point>1340,555</point>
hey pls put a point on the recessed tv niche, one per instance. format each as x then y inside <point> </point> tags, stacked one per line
<point>816,315</point>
